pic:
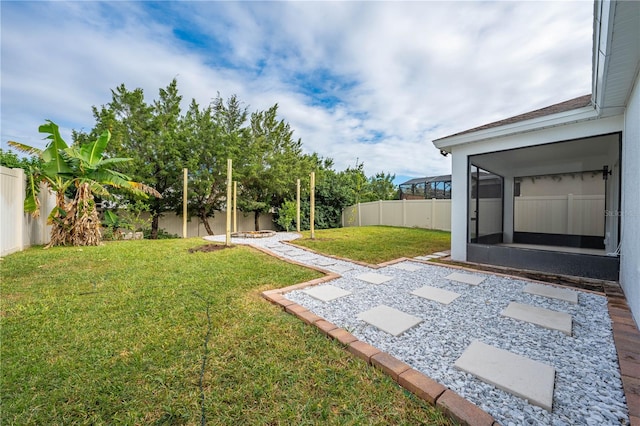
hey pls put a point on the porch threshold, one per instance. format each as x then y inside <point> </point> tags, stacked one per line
<point>555,262</point>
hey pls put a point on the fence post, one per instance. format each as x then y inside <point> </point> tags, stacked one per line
<point>570,214</point>
<point>359,215</point>
<point>379,212</point>
<point>433,214</point>
<point>404,213</point>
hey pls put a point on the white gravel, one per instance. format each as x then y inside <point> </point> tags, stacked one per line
<point>588,387</point>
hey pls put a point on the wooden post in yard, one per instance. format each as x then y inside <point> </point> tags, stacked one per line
<point>228,229</point>
<point>235,206</point>
<point>312,213</point>
<point>185,173</point>
<point>298,205</point>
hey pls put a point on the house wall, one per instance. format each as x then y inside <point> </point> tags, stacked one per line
<point>630,212</point>
<point>460,159</point>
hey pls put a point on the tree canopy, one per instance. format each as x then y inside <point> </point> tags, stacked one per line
<point>267,159</point>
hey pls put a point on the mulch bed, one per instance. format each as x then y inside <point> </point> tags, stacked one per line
<point>208,248</point>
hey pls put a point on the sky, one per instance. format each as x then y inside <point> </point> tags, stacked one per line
<point>359,82</point>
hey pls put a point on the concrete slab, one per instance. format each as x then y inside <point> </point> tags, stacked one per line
<point>407,267</point>
<point>389,320</point>
<point>324,262</point>
<point>341,268</point>
<point>465,278</point>
<point>540,316</point>
<point>552,292</point>
<point>521,376</point>
<point>436,294</point>
<point>307,258</point>
<point>295,253</point>
<point>326,293</point>
<point>374,278</point>
<point>440,254</point>
<point>425,257</point>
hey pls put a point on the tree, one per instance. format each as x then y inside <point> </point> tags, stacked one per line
<point>212,135</point>
<point>149,134</point>
<point>271,164</point>
<point>380,187</point>
<point>83,167</point>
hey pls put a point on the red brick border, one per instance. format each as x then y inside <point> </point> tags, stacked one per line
<point>425,388</point>
<point>625,333</point>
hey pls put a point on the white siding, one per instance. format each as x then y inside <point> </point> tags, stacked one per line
<point>630,214</point>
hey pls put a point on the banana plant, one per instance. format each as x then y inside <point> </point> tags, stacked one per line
<point>84,167</point>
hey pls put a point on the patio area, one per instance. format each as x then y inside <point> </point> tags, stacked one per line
<point>557,356</point>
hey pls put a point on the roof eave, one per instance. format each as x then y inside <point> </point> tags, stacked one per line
<point>563,118</point>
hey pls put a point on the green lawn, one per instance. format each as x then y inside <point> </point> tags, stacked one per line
<point>376,244</point>
<point>116,335</point>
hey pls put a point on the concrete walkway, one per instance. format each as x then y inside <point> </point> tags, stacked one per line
<point>518,375</point>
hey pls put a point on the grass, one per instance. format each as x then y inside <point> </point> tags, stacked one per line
<point>376,244</point>
<point>116,335</point>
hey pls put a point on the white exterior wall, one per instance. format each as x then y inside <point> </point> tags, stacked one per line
<point>461,154</point>
<point>459,204</point>
<point>630,214</point>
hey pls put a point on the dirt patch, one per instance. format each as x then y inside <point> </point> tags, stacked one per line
<point>208,248</point>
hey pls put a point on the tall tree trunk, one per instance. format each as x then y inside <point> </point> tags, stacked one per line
<point>155,216</point>
<point>256,220</point>
<point>205,222</point>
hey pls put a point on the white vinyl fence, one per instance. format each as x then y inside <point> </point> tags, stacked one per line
<point>569,214</point>
<point>562,214</point>
<point>19,230</point>
<point>172,223</point>
<point>430,214</point>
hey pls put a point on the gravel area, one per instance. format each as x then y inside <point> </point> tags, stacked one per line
<point>588,387</point>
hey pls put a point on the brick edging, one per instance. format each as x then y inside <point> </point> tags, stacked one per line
<point>627,341</point>
<point>625,334</point>
<point>421,385</point>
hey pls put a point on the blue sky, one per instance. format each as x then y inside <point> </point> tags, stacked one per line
<point>372,82</point>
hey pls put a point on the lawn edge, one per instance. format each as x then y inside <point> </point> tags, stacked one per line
<point>449,402</point>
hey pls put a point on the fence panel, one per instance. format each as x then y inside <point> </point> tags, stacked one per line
<point>570,214</point>
<point>428,214</point>
<point>19,230</point>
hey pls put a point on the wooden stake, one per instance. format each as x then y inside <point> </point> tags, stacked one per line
<point>228,229</point>
<point>185,173</point>
<point>235,205</point>
<point>312,213</point>
<point>298,205</point>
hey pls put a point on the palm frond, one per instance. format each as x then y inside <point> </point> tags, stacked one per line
<point>31,150</point>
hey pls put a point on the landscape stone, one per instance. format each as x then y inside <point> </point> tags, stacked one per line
<point>389,320</point>
<point>521,376</point>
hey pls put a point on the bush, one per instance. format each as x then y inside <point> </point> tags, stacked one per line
<point>162,234</point>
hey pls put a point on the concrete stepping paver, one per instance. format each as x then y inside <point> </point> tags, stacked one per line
<point>465,278</point>
<point>389,320</point>
<point>521,376</point>
<point>546,318</point>
<point>407,267</point>
<point>374,278</point>
<point>440,254</point>
<point>324,262</point>
<point>341,268</point>
<point>436,294</point>
<point>552,292</point>
<point>327,293</point>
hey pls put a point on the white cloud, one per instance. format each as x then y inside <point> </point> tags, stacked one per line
<point>397,74</point>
